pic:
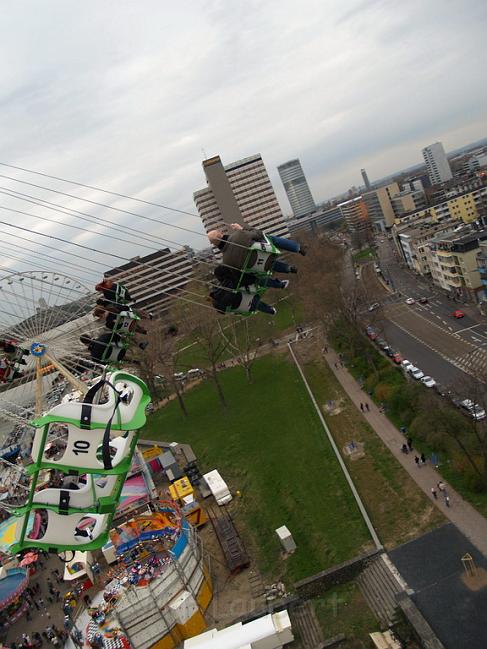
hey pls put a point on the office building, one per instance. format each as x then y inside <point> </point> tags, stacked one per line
<point>296,187</point>
<point>319,220</point>
<point>153,279</point>
<point>437,163</point>
<point>358,223</point>
<point>240,192</point>
<point>366,180</point>
<point>412,240</point>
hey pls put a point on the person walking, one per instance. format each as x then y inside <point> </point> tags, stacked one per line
<point>441,486</point>
<point>447,500</point>
<point>433,493</point>
<point>423,458</point>
<point>367,407</point>
<point>410,443</point>
<point>416,459</point>
<point>362,407</point>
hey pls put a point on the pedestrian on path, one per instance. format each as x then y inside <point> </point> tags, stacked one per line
<point>441,486</point>
<point>447,500</point>
<point>404,449</point>
<point>423,458</point>
<point>433,493</point>
<point>325,349</point>
<point>361,406</point>
<point>416,459</point>
<point>410,443</point>
<point>367,407</point>
<point>337,366</point>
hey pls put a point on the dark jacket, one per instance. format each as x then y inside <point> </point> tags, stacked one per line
<point>235,246</point>
<point>223,298</point>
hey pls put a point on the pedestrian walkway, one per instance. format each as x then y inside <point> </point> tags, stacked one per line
<point>468,520</point>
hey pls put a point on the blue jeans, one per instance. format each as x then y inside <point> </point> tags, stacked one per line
<point>281,267</point>
<point>258,305</point>
<point>272,282</point>
<point>284,244</point>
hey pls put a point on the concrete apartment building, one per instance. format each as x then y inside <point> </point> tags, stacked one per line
<point>296,188</point>
<point>412,241</point>
<point>240,192</point>
<point>466,207</point>
<point>453,260</point>
<point>356,217</point>
<point>437,163</point>
<point>152,279</point>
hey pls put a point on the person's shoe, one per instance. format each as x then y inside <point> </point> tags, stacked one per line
<point>285,283</point>
<point>25,352</point>
<point>293,269</point>
<point>273,312</point>
<point>143,345</point>
<point>303,250</point>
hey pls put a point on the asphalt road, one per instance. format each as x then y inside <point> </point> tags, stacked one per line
<point>453,351</point>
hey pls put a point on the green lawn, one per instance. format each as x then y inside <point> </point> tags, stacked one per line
<point>368,253</point>
<point>269,445</point>
<point>398,508</point>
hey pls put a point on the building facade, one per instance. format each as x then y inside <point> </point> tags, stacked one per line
<point>240,192</point>
<point>296,188</point>
<point>153,279</point>
<point>437,163</point>
<point>412,241</point>
<point>453,260</point>
<point>358,222</point>
<point>319,220</point>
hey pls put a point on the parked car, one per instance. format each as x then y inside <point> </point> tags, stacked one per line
<point>475,411</point>
<point>397,358</point>
<point>442,391</point>
<point>406,365</point>
<point>458,314</point>
<point>374,306</point>
<point>195,373</point>
<point>179,376</point>
<point>390,352</point>
<point>428,381</point>
<point>416,373</point>
<point>410,300</point>
<point>381,342</point>
<point>423,300</point>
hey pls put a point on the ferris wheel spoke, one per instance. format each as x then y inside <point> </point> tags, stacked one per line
<point>69,376</point>
<point>38,389</point>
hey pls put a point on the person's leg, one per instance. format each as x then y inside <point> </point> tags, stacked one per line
<point>281,267</point>
<point>264,308</point>
<point>285,244</point>
<point>274,282</point>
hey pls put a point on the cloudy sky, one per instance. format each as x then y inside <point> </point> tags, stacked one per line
<point>131,96</point>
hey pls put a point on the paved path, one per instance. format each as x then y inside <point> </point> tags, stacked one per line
<point>468,520</point>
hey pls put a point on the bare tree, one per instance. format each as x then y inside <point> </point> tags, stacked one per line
<point>207,328</point>
<point>242,344</point>
<point>161,359</point>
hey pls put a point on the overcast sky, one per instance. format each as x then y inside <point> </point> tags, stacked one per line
<point>131,96</point>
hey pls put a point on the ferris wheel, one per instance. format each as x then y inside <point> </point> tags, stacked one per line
<point>42,317</point>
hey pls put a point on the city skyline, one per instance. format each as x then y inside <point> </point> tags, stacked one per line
<point>132,111</point>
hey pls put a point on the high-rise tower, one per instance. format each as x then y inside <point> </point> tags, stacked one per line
<point>366,180</point>
<point>437,163</point>
<point>240,192</point>
<point>296,187</point>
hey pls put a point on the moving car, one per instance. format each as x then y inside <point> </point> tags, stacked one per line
<point>428,381</point>
<point>410,300</point>
<point>423,300</point>
<point>475,411</point>
<point>458,314</point>
<point>416,373</point>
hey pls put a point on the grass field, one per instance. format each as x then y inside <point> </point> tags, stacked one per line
<point>399,510</point>
<point>269,445</point>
